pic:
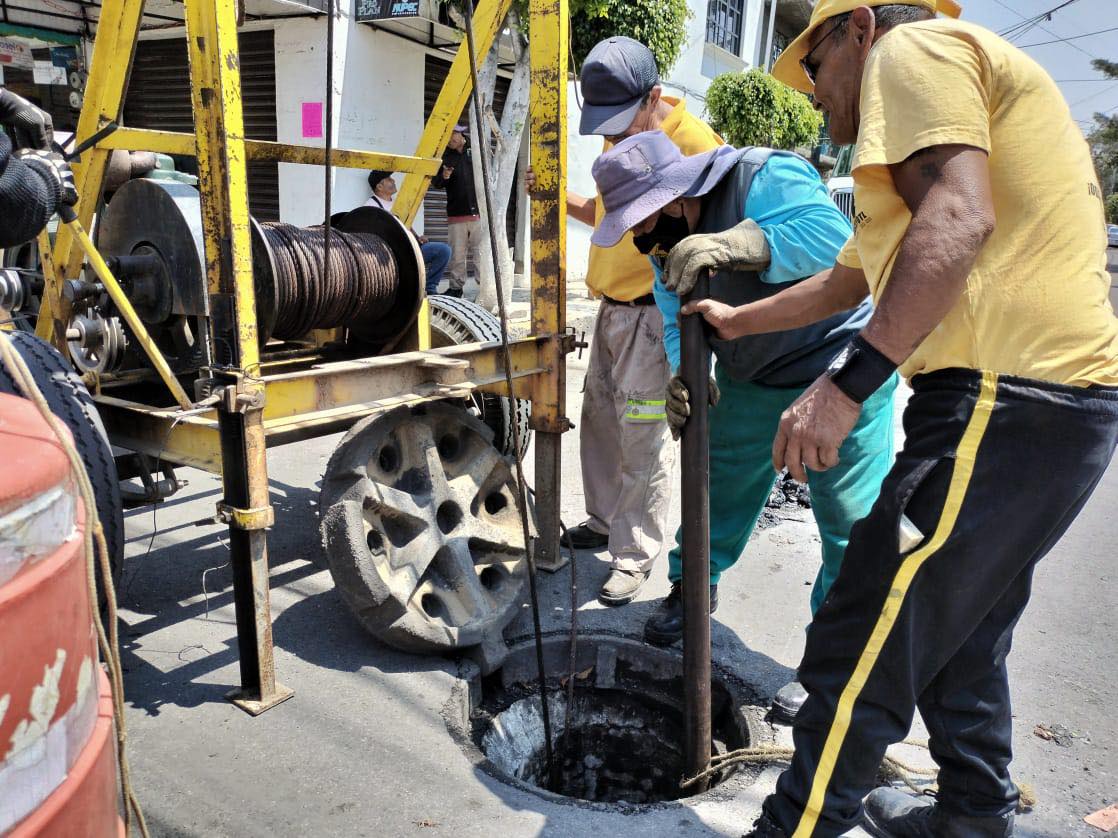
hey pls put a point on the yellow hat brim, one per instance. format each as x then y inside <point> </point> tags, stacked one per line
<point>788,69</point>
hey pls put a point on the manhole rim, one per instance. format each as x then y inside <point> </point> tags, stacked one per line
<point>458,710</point>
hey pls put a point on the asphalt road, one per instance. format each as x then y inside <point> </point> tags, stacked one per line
<point>363,749</point>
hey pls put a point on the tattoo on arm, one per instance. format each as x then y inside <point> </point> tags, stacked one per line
<point>931,171</point>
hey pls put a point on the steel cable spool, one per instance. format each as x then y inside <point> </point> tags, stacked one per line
<point>358,290</point>
<point>373,285</point>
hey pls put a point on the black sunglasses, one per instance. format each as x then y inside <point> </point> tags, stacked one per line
<point>805,62</point>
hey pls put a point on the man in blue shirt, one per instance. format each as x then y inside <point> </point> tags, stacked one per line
<point>759,220</point>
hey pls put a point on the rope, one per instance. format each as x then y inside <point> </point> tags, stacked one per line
<point>892,767</point>
<point>96,553</point>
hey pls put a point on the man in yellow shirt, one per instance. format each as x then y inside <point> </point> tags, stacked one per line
<point>985,256</point>
<point>624,438</point>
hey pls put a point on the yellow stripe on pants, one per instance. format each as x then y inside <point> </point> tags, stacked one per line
<point>960,480</point>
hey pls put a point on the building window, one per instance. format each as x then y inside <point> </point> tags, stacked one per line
<point>724,19</point>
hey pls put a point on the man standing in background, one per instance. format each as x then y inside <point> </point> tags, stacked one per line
<point>467,238</point>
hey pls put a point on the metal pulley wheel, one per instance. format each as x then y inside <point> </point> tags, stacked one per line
<point>96,342</point>
<point>421,530</point>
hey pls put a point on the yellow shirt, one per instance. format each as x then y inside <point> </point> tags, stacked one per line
<point>1036,303</point>
<point>623,272</point>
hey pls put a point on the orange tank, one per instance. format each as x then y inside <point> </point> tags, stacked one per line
<point>57,755</point>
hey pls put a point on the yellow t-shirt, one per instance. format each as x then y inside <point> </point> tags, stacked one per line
<point>623,272</point>
<point>1036,302</point>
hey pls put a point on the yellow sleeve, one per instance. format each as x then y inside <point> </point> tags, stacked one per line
<point>922,87</point>
<point>848,256</point>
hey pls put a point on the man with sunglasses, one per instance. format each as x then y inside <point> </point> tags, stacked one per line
<point>986,263</point>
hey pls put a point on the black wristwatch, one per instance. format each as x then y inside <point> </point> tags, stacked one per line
<point>859,369</point>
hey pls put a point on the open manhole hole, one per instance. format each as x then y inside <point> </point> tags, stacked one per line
<point>624,743</point>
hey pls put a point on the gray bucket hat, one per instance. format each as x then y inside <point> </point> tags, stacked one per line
<point>645,173</point>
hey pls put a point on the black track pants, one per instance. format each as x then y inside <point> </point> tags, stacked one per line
<point>993,471</point>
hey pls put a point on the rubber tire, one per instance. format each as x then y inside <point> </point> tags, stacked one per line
<point>70,401</point>
<point>455,321</point>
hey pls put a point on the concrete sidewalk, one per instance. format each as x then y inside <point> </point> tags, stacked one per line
<point>363,748</point>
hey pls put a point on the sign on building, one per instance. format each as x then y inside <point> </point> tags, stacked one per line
<point>384,9</point>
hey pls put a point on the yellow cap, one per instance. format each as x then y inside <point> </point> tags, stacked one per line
<point>787,67</point>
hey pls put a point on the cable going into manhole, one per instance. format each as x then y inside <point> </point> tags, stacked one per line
<point>521,496</point>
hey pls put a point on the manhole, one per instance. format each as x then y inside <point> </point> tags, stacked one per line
<point>623,746</point>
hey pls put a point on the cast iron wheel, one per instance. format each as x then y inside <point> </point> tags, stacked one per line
<point>70,401</point>
<point>456,321</point>
<point>421,532</point>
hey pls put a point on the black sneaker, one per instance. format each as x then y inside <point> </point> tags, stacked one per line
<point>764,827</point>
<point>788,701</point>
<point>584,538</point>
<point>452,292</point>
<point>892,813</point>
<point>665,626</point>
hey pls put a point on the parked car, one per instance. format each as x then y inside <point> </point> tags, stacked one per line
<point>1112,235</point>
<point>840,185</point>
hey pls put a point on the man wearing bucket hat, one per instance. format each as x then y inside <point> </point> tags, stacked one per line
<point>623,438</point>
<point>770,209</point>
<point>986,264</point>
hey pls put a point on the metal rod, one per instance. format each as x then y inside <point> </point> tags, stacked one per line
<point>695,456</point>
<point>329,136</point>
<point>522,500</point>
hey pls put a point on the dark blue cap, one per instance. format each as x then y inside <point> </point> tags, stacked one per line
<point>615,76</point>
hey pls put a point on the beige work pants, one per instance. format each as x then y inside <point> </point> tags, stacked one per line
<point>467,238</point>
<point>625,446</point>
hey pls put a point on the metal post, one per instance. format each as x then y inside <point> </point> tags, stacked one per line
<point>215,81</point>
<point>694,367</point>
<point>548,121</point>
<point>771,35</point>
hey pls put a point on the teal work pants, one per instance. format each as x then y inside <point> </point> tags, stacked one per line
<point>742,429</point>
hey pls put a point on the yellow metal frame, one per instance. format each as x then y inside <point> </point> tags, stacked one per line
<point>265,402</point>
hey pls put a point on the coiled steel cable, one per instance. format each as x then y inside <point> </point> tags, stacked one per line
<point>358,289</point>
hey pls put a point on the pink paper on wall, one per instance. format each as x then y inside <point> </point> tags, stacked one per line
<point>312,119</point>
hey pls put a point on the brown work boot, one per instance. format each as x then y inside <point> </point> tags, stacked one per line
<point>621,586</point>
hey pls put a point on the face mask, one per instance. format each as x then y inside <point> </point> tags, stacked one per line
<point>669,231</point>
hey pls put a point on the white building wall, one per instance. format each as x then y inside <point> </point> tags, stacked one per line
<point>378,106</point>
<point>699,63</point>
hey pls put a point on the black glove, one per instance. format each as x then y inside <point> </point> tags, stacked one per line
<point>678,403</point>
<point>52,166</point>
<point>31,127</point>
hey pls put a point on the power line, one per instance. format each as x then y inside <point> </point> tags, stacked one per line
<point>1037,20</point>
<point>1093,95</point>
<point>1072,38</point>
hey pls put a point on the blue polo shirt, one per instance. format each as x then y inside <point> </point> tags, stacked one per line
<point>802,225</point>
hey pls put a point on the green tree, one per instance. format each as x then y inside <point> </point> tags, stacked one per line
<point>1104,138</point>
<point>1112,208</point>
<point>661,25</point>
<point>753,108</point>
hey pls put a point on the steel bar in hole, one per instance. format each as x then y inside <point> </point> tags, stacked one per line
<point>695,456</point>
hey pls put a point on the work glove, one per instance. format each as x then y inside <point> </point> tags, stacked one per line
<point>679,403</point>
<point>31,127</point>
<point>741,248</point>
<point>52,166</point>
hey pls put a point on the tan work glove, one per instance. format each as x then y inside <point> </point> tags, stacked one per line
<point>741,248</point>
<point>679,403</point>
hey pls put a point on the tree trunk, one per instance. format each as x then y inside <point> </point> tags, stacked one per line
<point>504,146</point>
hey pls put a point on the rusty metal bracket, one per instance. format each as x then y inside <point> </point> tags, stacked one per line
<point>577,340</point>
<point>547,425</point>
<point>261,518</point>
<point>235,398</point>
